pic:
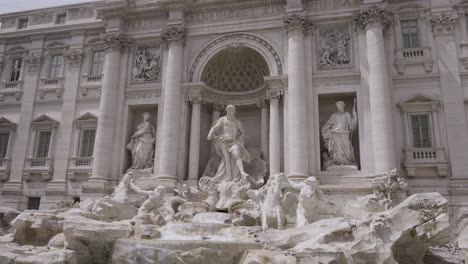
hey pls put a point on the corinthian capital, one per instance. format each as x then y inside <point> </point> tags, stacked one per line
<point>371,16</point>
<point>443,23</point>
<point>34,61</point>
<point>115,41</point>
<point>74,57</point>
<point>173,35</point>
<point>295,23</point>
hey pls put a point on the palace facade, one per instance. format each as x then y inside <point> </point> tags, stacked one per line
<point>75,81</point>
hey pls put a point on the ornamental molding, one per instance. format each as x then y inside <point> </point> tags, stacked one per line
<point>115,41</point>
<point>74,57</point>
<point>143,93</point>
<point>110,13</point>
<point>296,23</point>
<point>337,80</point>
<point>34,61</point>
<point>443,23</point>
<point>373,15</point>
<point>236,39</point>
<point>174,35</point>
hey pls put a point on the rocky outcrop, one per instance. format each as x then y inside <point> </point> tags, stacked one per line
<point>399,235</point>
<point>36,227</point>
<point>6,216</point>
<point>13,253</point>
<point>92,240</point>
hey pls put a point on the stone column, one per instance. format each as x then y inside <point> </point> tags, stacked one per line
<point>452,97</point>
<point>295,26</point>
<point>275,131</point>
<point>99,181</point>
<point>374,20</point>
<point>173,38</point>
<point>194,152</point>
<point>215,115</point>
<point>58,186</point>
<point>264,127</point>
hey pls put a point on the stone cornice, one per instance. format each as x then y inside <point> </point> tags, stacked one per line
<point>443,23</point>
<point>373,15</point>
<point>173,35</point>
<point>295,23</point>
<point>115,41</point>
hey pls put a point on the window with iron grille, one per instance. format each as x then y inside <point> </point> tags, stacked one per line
<point>61,18</point>
<point>34,203</point>
<point>43,144</point>
<point>410,33</point>
<point>23,23</point>
<point>56,66</point>
<point>421,131</point>
<point>4,138</point>
<point>16,69</point>
<point>97,62</point>
<point>87,143</point>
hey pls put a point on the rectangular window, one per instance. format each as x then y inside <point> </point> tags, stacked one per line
<point>23,23</point>
<point>43,144</point>
<point>421,133</point>
<point>4,138</point>
<point>97,62</point>
<point>16,69</point>
<point>56,66</point>
<point>61,18</point>
<point>410,33</point>
<point>34,203</point>
<point>87,143</point>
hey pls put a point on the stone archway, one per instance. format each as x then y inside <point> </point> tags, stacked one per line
<point>265,49</point>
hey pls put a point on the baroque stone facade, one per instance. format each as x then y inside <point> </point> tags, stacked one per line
<point>76,81</point>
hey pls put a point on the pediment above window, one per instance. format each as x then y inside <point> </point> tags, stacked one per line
<point>44,121</point>
<point>5,123</point>
<point>86,119</point>
<point>420,102</point>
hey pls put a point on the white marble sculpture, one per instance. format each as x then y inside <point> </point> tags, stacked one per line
<point>142,144</point>
<point>147,65</point>
<point>307,208</point>
<point>337,133</point>
<point>115,207</point>
<point>228,135</point>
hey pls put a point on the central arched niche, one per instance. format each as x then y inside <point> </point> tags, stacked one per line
<point>236,70</point>
<point>234,75</point>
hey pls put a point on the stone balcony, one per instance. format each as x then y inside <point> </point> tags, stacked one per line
<point>11,88</point>
<point>413,56</point>
<point>90,84</point>
<point>4,168</point>
<point>425,158</point>
<point>52,86</point>
<point>80,166</point>
<point>39,166</point>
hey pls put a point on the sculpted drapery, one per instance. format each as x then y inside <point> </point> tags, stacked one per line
<point>142,144</point>
<point>336,134</point>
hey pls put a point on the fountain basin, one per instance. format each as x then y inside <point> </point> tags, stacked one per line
<point>129,251</point>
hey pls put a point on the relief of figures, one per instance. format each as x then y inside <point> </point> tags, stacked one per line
<point>335,49</point>
<point>147,65</point>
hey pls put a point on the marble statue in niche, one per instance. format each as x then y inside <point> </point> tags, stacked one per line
<point>142,144</point>
<point>335,47</point>
<point>229,141</point>
<point>147,65</point>
<point>337,133</point>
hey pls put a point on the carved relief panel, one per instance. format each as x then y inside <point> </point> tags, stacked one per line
<point>334,47</point>
<point>147,64</point>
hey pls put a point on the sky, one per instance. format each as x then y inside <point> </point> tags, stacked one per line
<point>9,6</point>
